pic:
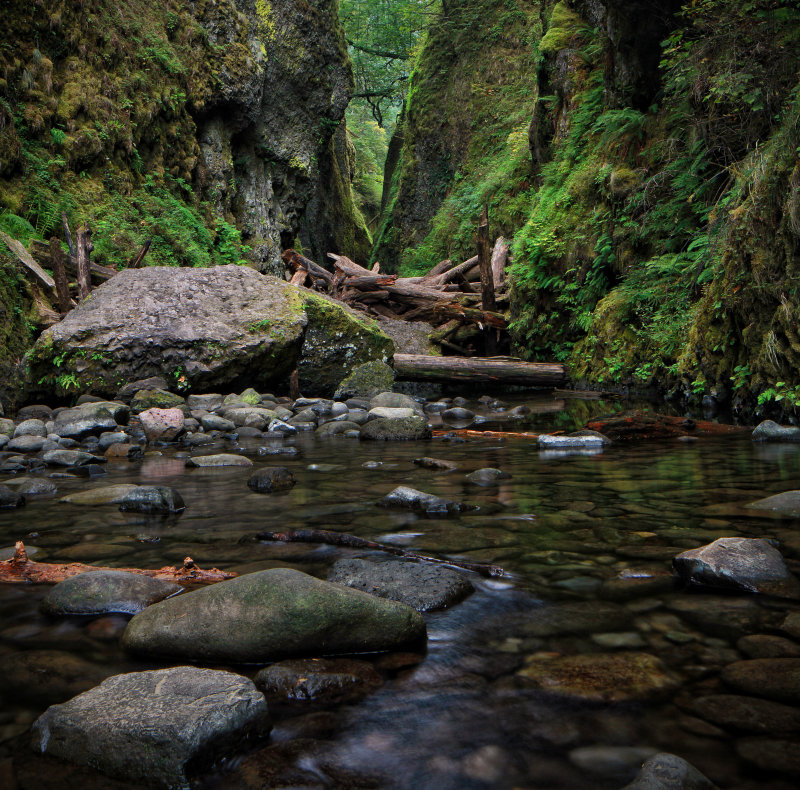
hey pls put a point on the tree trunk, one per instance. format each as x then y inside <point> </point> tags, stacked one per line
<point>499,261</point>
<point>60,275</point>
<point>82,254</point>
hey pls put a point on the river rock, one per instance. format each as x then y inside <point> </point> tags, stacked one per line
<point>164,424</point>
<point>418,501</point>
<point>589,439</point>
<point>220,459</point>
<point>106,592</point>
<point>271,479</point>
<point>281,427</point>
<point>769,431</point>
<point>126,393</point>
<point>30,427</point>
<point>26,444</point>
<point>152,499</point>
<point>578,617</point>
<point>71,458</point>
<point>458,414</point>
<point>366,381</point>
<point>394,429</point>
<point>621,762</point>
<point>214,326</point>
<point>337,428</point>
<point>144,400</point>
<point>129,452</point>
<point>487,476</point>
<point>84,421</point>
<point>112,437</point>
<point>213,422</point>
<point>391,413</point>
<point>36,411</point>
<point>209,402</point>
<point>768,646</point>
<point>747,564</point>
<point>270,615</point>
<point>250,416</point>
<point>4,440</point>
<point>772,678</point>
<point>328,681</point>
<point>7,427</point>
<point>32,486</point>
<point>785,504</point>
<point>718,615</point>
<point>147,727</point>
<point>10,499</point>
<point>438,464</point>
<point>602,677</point>
<point>396,400</point>
<point>666,771</point>
<point>771,754</point>
<point>748,714</point>
<point>421,585</point>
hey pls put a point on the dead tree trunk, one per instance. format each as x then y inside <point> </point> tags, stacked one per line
<point>506,370</point>
<point>83,243</point>
<point>499,261</point>
<point>60,275</point>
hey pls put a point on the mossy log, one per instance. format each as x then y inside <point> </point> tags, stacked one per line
<point>506,370</point>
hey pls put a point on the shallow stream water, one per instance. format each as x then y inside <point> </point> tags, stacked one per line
<point>585,539</point>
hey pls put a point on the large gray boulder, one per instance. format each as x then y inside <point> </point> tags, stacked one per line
<point>746,564</point>
<point>271,615</point>
<point>205,328</point>
<point>146,727</point>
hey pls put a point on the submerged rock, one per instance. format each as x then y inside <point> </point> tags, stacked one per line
<point>270,615</point>
<point>411,499</point>
<point>421,585</point>
<point>9,498</point>
<point>327,681</point>
<point>271,479</point>
<point>666,771</point>
<point>107,495</point>
<point>71,458</point>
<point>487,476</point>
<point>438,464</point>
<point>602,677</point>
<point>220,459</point>
<point>747,714</point>
<point>773,678</point>
<point>32,486</point>
<point>146,727</point>
<point>105,592</point>
<point>785,504</point>
<point>747,564</point>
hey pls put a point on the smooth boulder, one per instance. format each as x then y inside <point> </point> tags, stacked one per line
<point>396,428</point>
<point>770,431</point>
<point>666,771</point>
<point>146,727</point>
<point>271,479</point>
<point>271,615</point>
<point>411,499</point>
<point>156,500</point>
<point>106,592</point>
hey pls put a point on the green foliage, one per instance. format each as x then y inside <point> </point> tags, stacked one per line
<point>17,227</point>
<point>564,26</point>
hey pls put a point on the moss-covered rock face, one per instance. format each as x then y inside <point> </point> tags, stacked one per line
<point>16,326</point>
<point>336,340</point>
<point>225,327</point>
<point>201,125</point>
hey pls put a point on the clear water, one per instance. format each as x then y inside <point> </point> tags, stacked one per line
<point>564,528</point>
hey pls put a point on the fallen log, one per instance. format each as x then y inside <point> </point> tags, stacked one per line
<point>22,570</point>
<point>41,253</point>
<point>638,425</point>
<point>354,542</point>
<point>440,268</point>
<point>136,262</point>
<point>506,370</point>
<point>295,261</point>
<point>25,258</point>
<point>471,433</point>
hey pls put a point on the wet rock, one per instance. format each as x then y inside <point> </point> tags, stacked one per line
<point>366,381</point>
<point>746,564</point>
<point>147,727</point>
<point>632,583</point>
<point>620,762</point>
<point>106,592</point>
<point>392,429</point>
<point>26,444</point>
<point>10,499</point>
<point>271,479</point>
<point>145,400</point>
<point>152,499</point>
<point>36,411</point>
<point>337,428</point>
<point>747,714</point>
<point>391,413</point>
<point>4,440</point>
<point>7,427</point>
<point>669,772</point>
<point>112,437</point>
<point>769,431</point>
<point>197,439</point>
<point>221,459</point>
<point>439,464</point>
<point>47,676</point>
<point>420,502</point>
<point>728,618</point>
<point>768,646</point>
<point>161,424</point>
<point>127,392</point>
<point>575,618</point>
<point>250,417</point>
<point>270,615</point>
<point>70,458</point>
<point>418,584</point>
<point>395,400</point>
<point>209,402</point>
<point>488,476</point>
<point>772,678</point>
<point>328,681</point>
<point>280,427</point>
<point>602,677</point>
<point>84,421</point>
<point>771,755</point>
<point>629,640</point>
<point>128,452</point>
<point>30,427</point>
<point>785,504</point>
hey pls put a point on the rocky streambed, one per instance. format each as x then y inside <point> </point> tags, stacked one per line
<point>325,665</point>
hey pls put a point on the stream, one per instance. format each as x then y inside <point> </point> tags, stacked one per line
<point>585,538</point>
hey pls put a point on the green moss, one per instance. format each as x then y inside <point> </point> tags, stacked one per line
<point>565,24</point>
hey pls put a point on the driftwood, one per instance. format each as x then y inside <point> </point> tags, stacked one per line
<point>468,433</point>
<point>22,570</point>
<point>354,542</point>
<point>419,367</point>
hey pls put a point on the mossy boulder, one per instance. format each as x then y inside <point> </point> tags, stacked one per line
<point>219,328</point>
<point>366,381</point>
